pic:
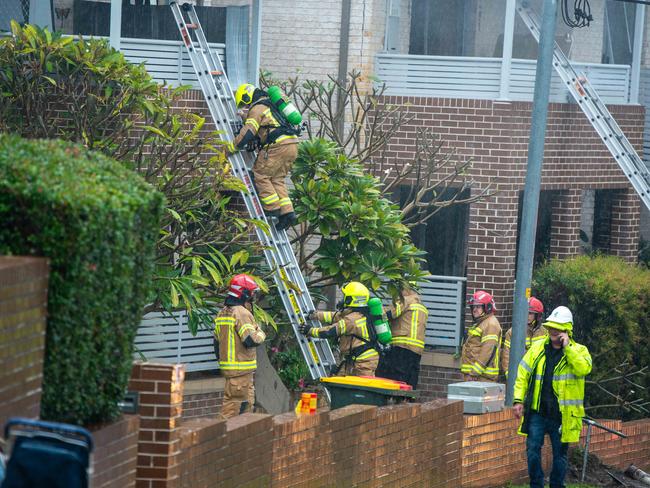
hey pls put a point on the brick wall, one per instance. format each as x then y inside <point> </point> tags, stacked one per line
<point>202,405</point>
<point>352,446</point>
<point>160,406</point>
<point>495,136</point>
<point>493,453</point>
<point>115,453</point>
<point>434,380</point>
<point>23,309</point>
<point>422,444</point>
<point>304,40</point>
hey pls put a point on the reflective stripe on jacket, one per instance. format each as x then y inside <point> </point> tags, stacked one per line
<point>232,326</point>
<point>480,355</point>
<point>408,321</point>
<point>348,324</point>
<point>532,336</point>
<point>568,385</point>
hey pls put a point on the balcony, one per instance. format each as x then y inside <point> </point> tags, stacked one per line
<point>481,78</point>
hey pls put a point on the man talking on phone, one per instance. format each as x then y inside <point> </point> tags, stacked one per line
<point>549,396</point>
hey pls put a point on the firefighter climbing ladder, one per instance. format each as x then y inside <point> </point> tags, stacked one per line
<point>596,111</point>
<point>277,248</point>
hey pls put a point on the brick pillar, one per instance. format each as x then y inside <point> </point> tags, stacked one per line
<point>161,401</point>
<point>23,312</point>
<point>492,244</point>
<point>565,224</point>
<point>626,208</point>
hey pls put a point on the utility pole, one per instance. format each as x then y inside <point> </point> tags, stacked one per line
<point>531,191</point>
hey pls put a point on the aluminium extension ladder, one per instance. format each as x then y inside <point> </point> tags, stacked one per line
<point>277,248</point>
<point>593,107</point>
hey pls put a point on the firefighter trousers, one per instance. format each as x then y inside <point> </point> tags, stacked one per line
<point>359,368</point>
<point>238,395</point>
<point>270,171</point>
<point>400,364</point>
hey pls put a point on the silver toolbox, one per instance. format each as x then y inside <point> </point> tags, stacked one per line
<point>478,396</point>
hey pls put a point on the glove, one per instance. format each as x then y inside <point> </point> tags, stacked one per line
<point>304,329</point>
<point>311,315</point>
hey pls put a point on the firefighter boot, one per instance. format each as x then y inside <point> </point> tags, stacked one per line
<point>273,214</point>
<point>286,220</point>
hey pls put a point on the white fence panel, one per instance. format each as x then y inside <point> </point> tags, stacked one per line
<point>443,296</point>
<point>165,338</point>
<point>480,78</point>
<point>439,76</point>
<point>166,61</point>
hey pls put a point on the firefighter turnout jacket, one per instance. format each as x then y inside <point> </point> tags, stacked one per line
<point>408,318</point>
<point>568,385</point>
<point>352,331</point>
<point>480,355</point>
<point>533,335</point>
<point>238,335</point>
<point>273,161</point>
<point>260,122</point>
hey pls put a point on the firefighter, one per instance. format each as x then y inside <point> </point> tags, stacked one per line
<point>534,332</point>
<point>278,151</point>
<point>480,355</point>
<point>238,336</point>
<point>549,395</point>
<point>350,325</point>
<point>408,318</point>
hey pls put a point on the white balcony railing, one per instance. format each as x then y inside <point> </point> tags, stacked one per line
<point>166,61</point>
<point>480,78</point>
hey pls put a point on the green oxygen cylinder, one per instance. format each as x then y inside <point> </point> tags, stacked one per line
<point>285,105</point>
<point>382,329</point>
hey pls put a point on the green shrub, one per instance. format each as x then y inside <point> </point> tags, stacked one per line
<point>610,301</point>
<point>97,222</point>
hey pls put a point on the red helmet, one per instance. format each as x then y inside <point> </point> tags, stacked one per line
<point>535,306</point>
<point>481,297</point>
<point>242,286</point>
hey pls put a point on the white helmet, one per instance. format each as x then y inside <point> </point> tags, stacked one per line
<point>559,317</point>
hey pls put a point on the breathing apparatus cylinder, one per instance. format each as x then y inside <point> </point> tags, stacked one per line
<point>377,320</point>
<point>285,105</point>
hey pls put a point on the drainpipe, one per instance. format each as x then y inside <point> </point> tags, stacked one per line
<point>506,56</point>
<point>344,45</point>
<point>256,43</point>
<point>639,22</point>
<point>531,191</point>
<point>116,24</point>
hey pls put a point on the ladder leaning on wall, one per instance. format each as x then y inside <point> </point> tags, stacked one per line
<point>277,247</point>
<point>597,113</point>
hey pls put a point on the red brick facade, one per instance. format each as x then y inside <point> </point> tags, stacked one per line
<point>115,454</point>
<point>430,444</point>
<point>23,311</point>
<point>495,135</point>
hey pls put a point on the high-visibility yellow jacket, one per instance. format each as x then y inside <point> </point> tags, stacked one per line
<point>408,318</point>
<point>238,335</point>
<point>568,385</point>
<point>532,336</point>
<point>351,329</point>
<point>261,122</point>
<point>480,355</point>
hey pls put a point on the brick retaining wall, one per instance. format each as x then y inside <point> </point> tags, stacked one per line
<point>23,310</point>
<point>115,453</point>
<point>421,444</point>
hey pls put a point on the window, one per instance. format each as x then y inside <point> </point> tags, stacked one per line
<point>457,27</point>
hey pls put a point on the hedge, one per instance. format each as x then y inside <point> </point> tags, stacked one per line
<point>610,301</point>
<point>97,222</point>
